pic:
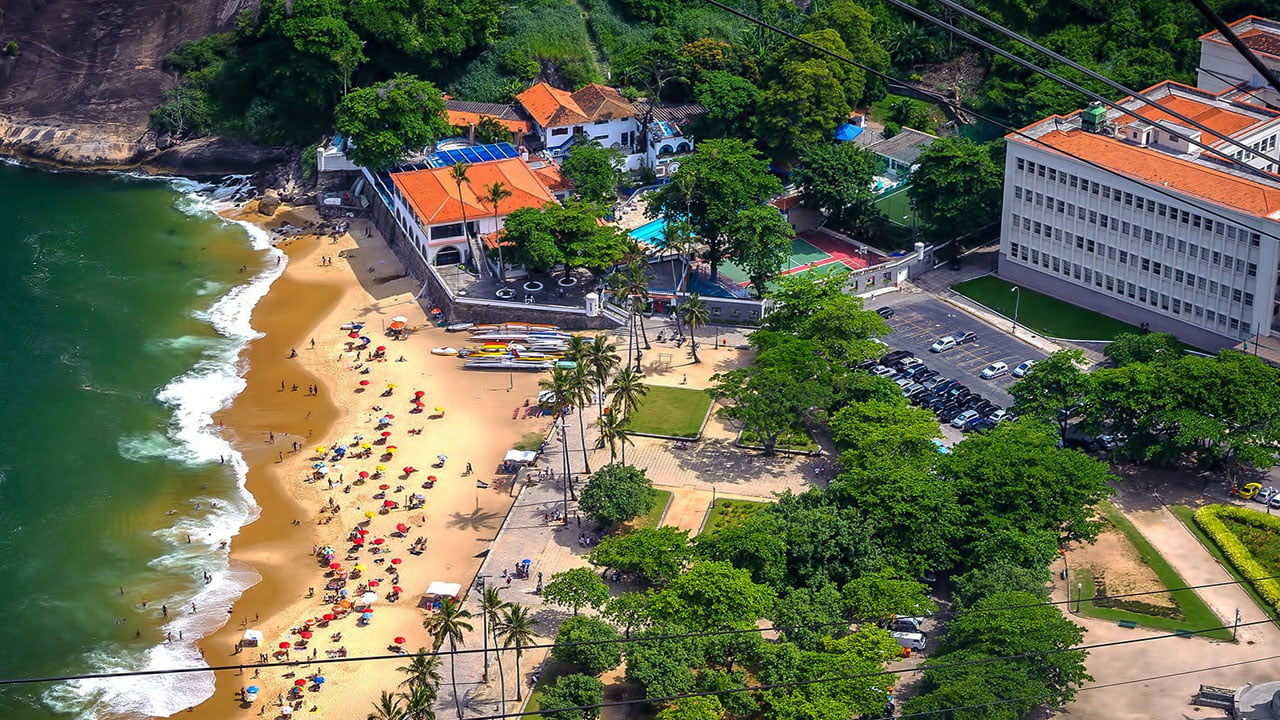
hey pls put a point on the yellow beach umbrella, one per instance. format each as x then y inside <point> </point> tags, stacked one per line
<point>369,513</point>
<point>359,567</point>
<point>321,448</point>
<point>391,386</point>
<point>380,468</point>
<point>366,446</point>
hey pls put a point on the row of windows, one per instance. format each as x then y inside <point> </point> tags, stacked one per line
<point>1158,239</point>
<point>1124,257</point>
<point>1127,289</point>
<point>1128,199</point>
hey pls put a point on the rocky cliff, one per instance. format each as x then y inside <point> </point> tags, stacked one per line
<point>88,72</point>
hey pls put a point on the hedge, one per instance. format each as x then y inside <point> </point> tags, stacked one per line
<point>1209,520</point>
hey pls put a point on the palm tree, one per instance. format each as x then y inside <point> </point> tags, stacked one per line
<point>580,382</point>
<point>627,389</point>
<point>516,628</point>
<point>419,702</point>
<point>495,194</point>
<point>423,670</point>
<point>491,605</point>
<point>388,707</point>
<point>613,430</point>
<point>638,288</point>
<point>449,624</point>
<point>695,314</point>
<point>602,359</point>
<point>459,174</point>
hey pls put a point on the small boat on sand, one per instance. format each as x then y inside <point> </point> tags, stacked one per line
<point>460,327</point>
<point>444,351</point>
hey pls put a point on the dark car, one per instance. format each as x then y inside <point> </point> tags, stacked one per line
<point>979,424</point>
<point>926,375</point>
<point>934,382</point>
<point>885,312</point>
<point>936,403</point>
<point>967,336</point>
<point>973,402</point>
<point>867,364</point>
<point>895,356</point>
<point>916,372</point>
<point>957,390</point>
<point>987,409</point>
<point>950,412</point>
<point>944,386</point>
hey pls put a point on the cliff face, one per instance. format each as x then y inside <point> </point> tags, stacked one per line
<point>89,71</point>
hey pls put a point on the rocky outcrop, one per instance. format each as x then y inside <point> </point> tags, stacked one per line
<point>87,74</point>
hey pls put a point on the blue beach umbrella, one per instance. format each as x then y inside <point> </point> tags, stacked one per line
<point>319,680</point>
<point>252,689</point>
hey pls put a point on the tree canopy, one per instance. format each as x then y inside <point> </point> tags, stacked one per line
<point>588,643</point>
<point>616,493</point>
<point>568,234</point>
<point>576,588</point>
<point>658,554</point>
<point>956,186</point>
<point>387,121</point>
<point>836,178</point>
<point>713,595</point>
<point>596,171</point>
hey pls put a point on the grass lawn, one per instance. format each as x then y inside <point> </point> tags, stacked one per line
<point>795,439</point>
<point>530,441</point>
<point>551,671</point>
<point>1043,314</point>
<point>727,513</point>
<point>1196,614</point>
<point>673,411</point>
<point>1185,515</point>
<point>896,206</point>
<point>661,499</point>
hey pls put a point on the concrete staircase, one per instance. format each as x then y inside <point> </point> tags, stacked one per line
<point>477,256</point>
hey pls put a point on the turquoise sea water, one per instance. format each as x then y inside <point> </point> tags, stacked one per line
<point>122,313</point>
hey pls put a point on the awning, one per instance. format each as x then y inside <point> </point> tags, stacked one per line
<point>443,589</point>
<point>521,456</point>
<point>252,637</point>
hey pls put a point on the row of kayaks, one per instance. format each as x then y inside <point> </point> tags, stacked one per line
<point>511,346</point>
<point>514,363</point>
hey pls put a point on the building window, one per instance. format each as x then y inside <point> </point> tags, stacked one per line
<point>1079,242</point>
<point>1248,299</point>
<point>1089,246</point>
<point>1111,253</point>
<point>1155,269</point>
<point>1217,258</point>
<point>1131,290</point>
<point>1252,271</point>
<point>1013,248</point>
<point>1177,276</point>
<point>1236,296</point>
<point>1142,294</point>
<point>1022,164</point>
<point>1146,265</point>
<point>1182,246</point>
<point>1110,282</point>
<point>1017,192</point>
<point>1056,265</point>
<point>1164,301</point>
<point>1124,258</point>
<point>1035,257</point>
<point>1177,306</point>
<point>556,132</point>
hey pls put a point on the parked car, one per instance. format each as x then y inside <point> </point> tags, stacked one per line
<point>966,337</point>
<point>915,371</point>
<point>1265,494</point>
<point>885,312</point>
<point>902,382</point>
<point>925,375</point>
<point>881,371</point>
<point>936,381</point>
<point>994,370</point>
<point>980,425</point>
<point>957,390</point>
<point>1000,415</point>
<point>902,623</point>
<point>910,640</point>
<point>943,344</point>
<point>1023,368</point>
<point>963,417</point>
<point>867,365</point>
<point>895,356</point>
<point>907,363</point>
<point>1275,502</point>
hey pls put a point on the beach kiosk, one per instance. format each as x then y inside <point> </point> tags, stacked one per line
<point>438,591</point>
<point>516,459</point>
<point>252,638</point>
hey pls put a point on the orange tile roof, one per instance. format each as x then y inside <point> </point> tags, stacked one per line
<point>459,118</point>
<point>553,107</point>
<point>551,176</point>
<point>433,194</point>
<point>1157,168</point>
<point>1218,119</point>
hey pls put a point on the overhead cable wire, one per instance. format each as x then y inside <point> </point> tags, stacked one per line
<point>1213,17</point>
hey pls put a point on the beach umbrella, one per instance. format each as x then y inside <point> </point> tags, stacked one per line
<point>319,679</point>
<point>380,468</point>
<point>396,561</point>
<point>360,567</point>
<point>366,446</point>
<point>386,433</point>
<point>402,319</point>
<point>335,566</point>
<point>346,604</point>
<point>357,326</point>
<point>389,504</point>
<point>368,514</point>
<point>380,348</point>
<point>353,334</point>
<point>358,438</point>
<point>400,641</point>
<point>431,478</point>
<point>305,634</point>
<point>368,599</point>
<point>252,689</point>
<point>299,682</point>
<point>419,404</point>
<point>397,326</point>
<point>321,449</point>
<point>379,541</point>
<point>358,540</point>
<point>419,393</point>
<point>364,474</point>
<point>365,340</point>
<point>285,645</point>
<point>389,416</point>
<point>384,487</point>
<point>317,466</point>
<point>364,382</point>
<point>409,469</point>
<point>401,527</point>
<point>392,448</point>
<point>374,583</point>
<point>328,617</point>
<point>397,589</point>
<point>363,531</point>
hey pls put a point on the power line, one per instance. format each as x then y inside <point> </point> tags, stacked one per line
<point>952,28</point>
<point>1235,82</point>
<point>978,114</point>
<point>843,678</point>
<point>1212,16</point>
<point>625,640</point>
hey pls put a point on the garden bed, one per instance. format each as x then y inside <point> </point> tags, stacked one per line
<point>1250,541</point>
<point>728,513</point>
<point>670,412</point>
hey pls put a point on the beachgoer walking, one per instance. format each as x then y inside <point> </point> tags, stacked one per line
<point>164,611</point>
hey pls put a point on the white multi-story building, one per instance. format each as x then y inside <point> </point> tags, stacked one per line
<point>1116,212</point>
<point>1222,67</point>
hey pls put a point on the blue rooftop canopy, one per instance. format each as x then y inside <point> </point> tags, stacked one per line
<point>847,132</point>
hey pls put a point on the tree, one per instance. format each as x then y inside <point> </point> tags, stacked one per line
<point>857,685</point>
<point>387,121</point>
<point>491,606</point>
<point>596,171</point>
<point>459,175</point>
<point>572,691</point>
<point>836,178</point>
<point>788,383</point>
<point>658,554</point>
<point>757,544</point>
<point>662,667</point>
<point>630,610</point>
<point>729,100</point>
<point>694,313</point>
<point>818,310</point>
<point>874,429</point>
<point>760,242</point>
<point>810,615</point>
<point>614,432</point>
<point>388,707</point>
<point>494,194</point>
<point>422,670</point>
<point>704,707</point>
<point>956,187</point>
<point>579,390</point>
<point>576,588</point>
<point>420,702</point>
<point>516,629</point>
<point>627,389</point>
<point>856,27</point>
<point>1054,391</point>
<point>601,357</point>
<point>726,177</point>
<point>807,93</point>
<point>449,624</point>
<point>713,595</point>
<point>616,493</point>
<point>1129,348</point>
<point>582,240</point>
<point>589,643</point>
<point>884,594</point>
<point>431,32</point>
<point>1000,577</point>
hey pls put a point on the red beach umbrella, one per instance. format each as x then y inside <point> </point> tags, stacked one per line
<point>364,473</point>
<point>353,334</point>
<point>364,382</point>
<point>389,415</point>
<point>401,527</point>
<point>374,583</point>
<point>358,541</point>
<point>305,634</point>
<point>329,617</point>
<point>386,504</point>
<point>397,589</point>
<point>409,469</point>
<point>386,433</point>
<point>379,541</point>
<point>400,641</point>
<point>420,393</point>
<point>285,645</point>
<point>380,348</point>
<point>432,478</point>
<point>384,487</point>
<point>299,682</point>
<point>396,561</point>
<point>363,531</point>
<point>335,566</point>
<point>419,404</point>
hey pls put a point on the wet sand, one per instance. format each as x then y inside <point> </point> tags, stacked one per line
<point>312,300</point>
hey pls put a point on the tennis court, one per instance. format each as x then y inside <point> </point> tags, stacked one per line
<point>803,253</point>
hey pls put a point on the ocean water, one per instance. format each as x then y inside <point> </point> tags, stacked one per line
<point>123,313</point>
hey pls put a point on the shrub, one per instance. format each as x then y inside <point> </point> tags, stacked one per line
<point>11,48</point>
<point>1209,518</point>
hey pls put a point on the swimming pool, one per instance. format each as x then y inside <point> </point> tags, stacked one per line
<point>651,233</point>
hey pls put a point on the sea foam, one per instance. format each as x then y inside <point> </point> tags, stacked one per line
<point>201,538</point>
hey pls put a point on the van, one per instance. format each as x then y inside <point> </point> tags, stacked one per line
<point>904,623</point>
<point>910,640</point>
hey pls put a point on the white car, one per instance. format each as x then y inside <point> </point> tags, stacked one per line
<point>994,370</point>
<point>999,416</point>
<point>943,344</point>
<point>964,417</point>
<point>881,371</point>
<point>1023,368</point>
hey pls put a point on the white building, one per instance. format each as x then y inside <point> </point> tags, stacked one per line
<point>1166,235</point>
<point>1222,68</point>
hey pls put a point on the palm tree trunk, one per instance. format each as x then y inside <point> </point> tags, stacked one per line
<point>582,430</point>
<point>502,676</point>
<point>643,333</point>
<point>624,452</point>
<point>453,677</point>
<point>519,677</point>
<point>484,634</point>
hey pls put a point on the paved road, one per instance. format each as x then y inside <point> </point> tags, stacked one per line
<point>920,319</point>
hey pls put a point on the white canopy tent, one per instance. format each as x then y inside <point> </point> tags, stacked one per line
<point>443,589</point>
<point>521,457</point>
<point>252,638</point>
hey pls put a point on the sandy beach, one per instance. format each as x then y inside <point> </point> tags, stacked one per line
<point>293,405</point>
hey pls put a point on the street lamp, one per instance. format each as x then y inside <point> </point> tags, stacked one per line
<point>1017,299</point>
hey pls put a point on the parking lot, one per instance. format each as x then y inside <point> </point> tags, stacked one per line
<point>920,319</point>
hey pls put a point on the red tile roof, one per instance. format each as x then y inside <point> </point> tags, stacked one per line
<point>433,194</point>
<point>1218,119</point>
<point>553,107</point>
<point>1263,37</point>
<point>1157,168</point>
<point>551,176</point>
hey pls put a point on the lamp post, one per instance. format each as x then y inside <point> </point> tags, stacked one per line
<point>564,453</point>
<point>1017,300</point>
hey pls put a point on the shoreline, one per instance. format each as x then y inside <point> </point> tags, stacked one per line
<point>310,300</point>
